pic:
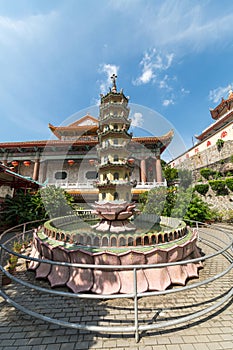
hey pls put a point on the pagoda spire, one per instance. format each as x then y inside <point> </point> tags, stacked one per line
<point>114,88</point>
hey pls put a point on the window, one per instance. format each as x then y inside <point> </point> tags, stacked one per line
<point>115,126</point>
<point>116,196</point>
<point>103,195</point>
<point>60,175</point>
<point>91,175</point>
<point>115,141</point>
<point>116,176</point>
<point>116,158</point>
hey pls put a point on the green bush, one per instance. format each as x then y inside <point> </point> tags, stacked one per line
<point>219,187</point>
<point>207,172</point>
<point>219,144</point>
<point>23,207</point>
<point>202,189</point>
<point>216,175</point>
<point>229,173</point>
<point>229,183</point>
<point>57,202</point>
<point>198,210</point>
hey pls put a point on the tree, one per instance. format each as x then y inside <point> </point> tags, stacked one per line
<point>185,177</point>
<point>177,202</point>
<point>170,174</point>
<point>57,201</point>
<point>154,204</point>
<point>198,210</point>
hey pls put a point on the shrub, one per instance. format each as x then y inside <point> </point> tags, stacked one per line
<point>229,173</point>
<point>57,202</point>
<point>170,174</point>
<point>202,189</point>
<point>206,173</point>
<point>23,207</point>
<point>198,210</point>
<point>219,144</point>
<point>219,187</point>
<point>216,175</point>
<point>229,183</point>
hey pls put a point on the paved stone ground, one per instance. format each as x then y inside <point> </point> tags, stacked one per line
<point>214,331</point>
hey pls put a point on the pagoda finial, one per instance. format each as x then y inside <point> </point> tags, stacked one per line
<point>114,88</point>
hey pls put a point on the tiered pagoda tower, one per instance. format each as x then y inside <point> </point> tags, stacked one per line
<point>115,165</point>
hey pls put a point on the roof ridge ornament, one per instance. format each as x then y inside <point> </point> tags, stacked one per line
<point>114,88</point>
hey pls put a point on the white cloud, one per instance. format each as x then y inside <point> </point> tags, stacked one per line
<point>137,119</point>
<point>108,70</point>
<point>168,102</point>
<point>29,28</point>
<point>153,63</point>
<point>215,95</point>
<point>184,91</point>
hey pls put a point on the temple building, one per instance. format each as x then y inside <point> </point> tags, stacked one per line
<point>215,143</point>
<point>67,161</point>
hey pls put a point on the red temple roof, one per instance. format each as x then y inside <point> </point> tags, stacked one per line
<point>87,125</point>
<point>223,107</point>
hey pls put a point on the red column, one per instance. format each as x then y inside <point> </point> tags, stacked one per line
<point>159,177</point>
<point>143,170</point>
<point>36,169</point>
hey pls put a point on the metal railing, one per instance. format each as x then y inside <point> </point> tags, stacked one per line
<point>221,244</point>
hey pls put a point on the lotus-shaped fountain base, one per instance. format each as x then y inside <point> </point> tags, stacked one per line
<point>114,216</point>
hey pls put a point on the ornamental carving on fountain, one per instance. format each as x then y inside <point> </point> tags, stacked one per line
<point>115,164</point>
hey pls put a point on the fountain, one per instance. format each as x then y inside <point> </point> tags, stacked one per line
<point>120,235</point>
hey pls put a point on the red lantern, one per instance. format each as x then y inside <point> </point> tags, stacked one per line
<point>15,163</point>
<point>131,161</point>
<point>70,162</point>
<point>27,162</point>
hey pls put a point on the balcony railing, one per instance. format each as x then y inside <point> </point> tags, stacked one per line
<point>90,184</point>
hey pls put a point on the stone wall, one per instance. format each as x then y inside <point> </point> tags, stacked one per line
<point>208,157</point>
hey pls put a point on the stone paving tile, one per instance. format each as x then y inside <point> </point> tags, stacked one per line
<point>214,346</point>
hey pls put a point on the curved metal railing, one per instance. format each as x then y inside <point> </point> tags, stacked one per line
<point>219,241</point>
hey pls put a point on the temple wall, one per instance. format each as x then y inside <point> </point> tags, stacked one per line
<point>206,152</point>
<point>206,158</point>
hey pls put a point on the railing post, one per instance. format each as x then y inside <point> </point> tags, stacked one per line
<point>136,306</point>
<point>24,230</point>
<point>197,231</point>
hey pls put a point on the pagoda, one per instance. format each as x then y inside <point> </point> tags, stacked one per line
<point>115,165</point>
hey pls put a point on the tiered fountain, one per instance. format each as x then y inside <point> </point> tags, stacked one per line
<point>115,239</point>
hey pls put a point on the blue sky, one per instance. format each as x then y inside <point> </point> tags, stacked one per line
<point>174,57</point>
